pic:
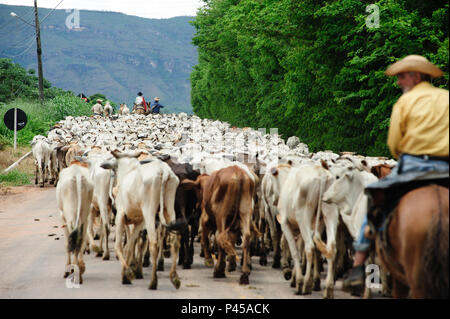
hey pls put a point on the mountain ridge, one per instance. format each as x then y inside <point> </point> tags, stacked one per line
<point>111,53</point>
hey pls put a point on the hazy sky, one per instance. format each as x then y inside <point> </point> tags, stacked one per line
<point>141,8</point>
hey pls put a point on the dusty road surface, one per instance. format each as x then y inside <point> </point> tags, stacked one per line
<point>32,260</point>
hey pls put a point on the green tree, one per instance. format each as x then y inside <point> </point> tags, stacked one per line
<point>311,68</point>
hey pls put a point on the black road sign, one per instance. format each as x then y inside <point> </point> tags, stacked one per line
<point>8,119</point>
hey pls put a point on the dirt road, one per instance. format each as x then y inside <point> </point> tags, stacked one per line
<point>32,260</point>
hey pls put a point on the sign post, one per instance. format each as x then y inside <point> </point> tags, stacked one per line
<point>15,128</point>
<point>15,120</point>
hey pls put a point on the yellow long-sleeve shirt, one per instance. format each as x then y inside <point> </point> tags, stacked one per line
<point>419,122</point>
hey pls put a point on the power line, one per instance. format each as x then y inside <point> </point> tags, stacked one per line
<point>8,22</point>
<point>52,11</point>
<point>15,46</point>
<point>30,45</point>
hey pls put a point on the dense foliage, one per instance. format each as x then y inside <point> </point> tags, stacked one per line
<point>15,82</point>
<point>312,68</point>
<point>19,88</point>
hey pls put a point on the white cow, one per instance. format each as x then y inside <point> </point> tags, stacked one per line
<point>270,192</point>
<point>73,198</point>
<point>298,204</point>
<point>41,153</point>
<point>101,200</point>
<point>348,194</point>
<point>141,190</point>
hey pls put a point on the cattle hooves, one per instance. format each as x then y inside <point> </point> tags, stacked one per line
<point>125,280</point>
<point>292,283</point>
<point>175,280</point>
<point>263,261</point>
<point>146,263</point>
<point>219,274</point>
<point>276,264</point>
<point>287,273</point>
<point>99,254</point>
<point>138,274</point>
<point>244,279</point>
<point>96,237</point>
<point>231,266</point>
<point>96,249</point>
<point>307,289</point>
<point>160,265</point>
<point>328,293</point>
<point>316,284</point>
<point>106,257</point>
<point>202,254</point>
<point>166,253</point>
<point>41,186</point>
<point>153,285</point>
<point>186,266</point>
<point>129,273</point>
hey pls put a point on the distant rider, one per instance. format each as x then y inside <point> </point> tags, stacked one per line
<point>97,109</point>
<point>156,106</point>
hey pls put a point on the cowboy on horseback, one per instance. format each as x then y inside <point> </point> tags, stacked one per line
<point>140,106</point>
<point>419,138</point>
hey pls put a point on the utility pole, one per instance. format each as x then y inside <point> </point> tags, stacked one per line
<point>39,53</point>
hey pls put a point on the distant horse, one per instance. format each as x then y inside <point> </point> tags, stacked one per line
<point>124,110</point>
<point>415,249</point>
<point>108,110</point>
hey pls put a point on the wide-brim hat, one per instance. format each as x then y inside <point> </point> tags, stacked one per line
<point>99,100</point>
<point>414,63</point>
<point>157,98</point>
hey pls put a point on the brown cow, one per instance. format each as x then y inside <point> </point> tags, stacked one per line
<point>227,205</point>
<point>381,170</point>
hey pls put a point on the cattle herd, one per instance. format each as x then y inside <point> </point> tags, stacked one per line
<point>163,181</point>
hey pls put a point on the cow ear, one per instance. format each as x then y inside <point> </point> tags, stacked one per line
<point>146,161</point>
<point>109,165</point>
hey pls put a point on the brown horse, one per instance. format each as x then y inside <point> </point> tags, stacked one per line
<point>417,255</point>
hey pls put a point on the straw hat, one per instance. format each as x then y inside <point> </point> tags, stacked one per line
<point>99,100</point>
<point>157,99</point>
<point>414,63</point>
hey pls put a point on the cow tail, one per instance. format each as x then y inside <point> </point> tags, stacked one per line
<point>111,186</point>
<point>165,177</point>
<point>317,237</point>
<point>73,237</point>
<point>223,239</point>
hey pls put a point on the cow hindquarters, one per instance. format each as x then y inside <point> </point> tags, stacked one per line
<point>331,219</point>
<point>288,234</point>
<point>127,273</point>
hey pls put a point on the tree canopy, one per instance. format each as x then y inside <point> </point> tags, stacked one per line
<point>314,69</point>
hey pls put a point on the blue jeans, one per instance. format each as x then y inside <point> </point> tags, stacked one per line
<point>409,166</point>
